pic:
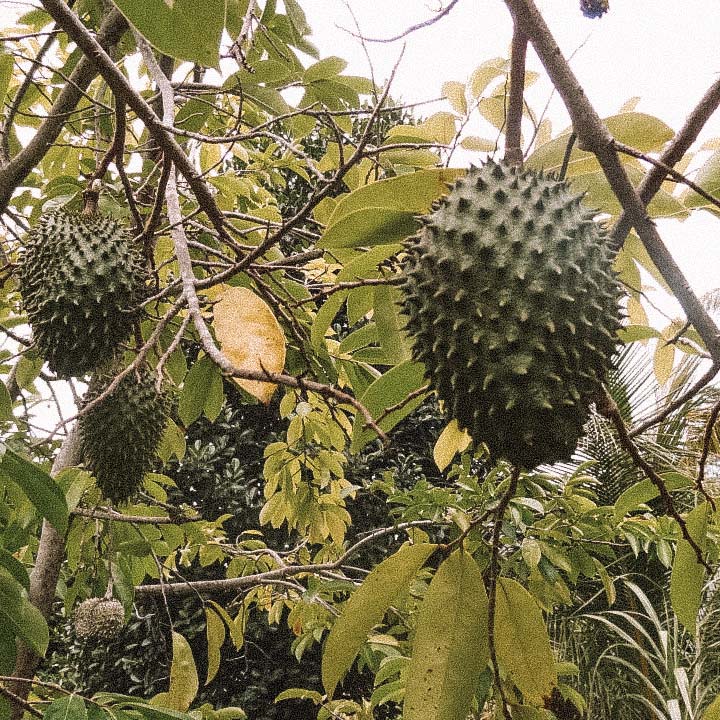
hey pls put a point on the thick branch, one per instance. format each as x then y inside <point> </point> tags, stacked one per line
<point>513,126</point>
<point>15,171</point>
<point>45,574</point>
<point>653,180</point>
<point>120,85</point>
<point>595,137</point>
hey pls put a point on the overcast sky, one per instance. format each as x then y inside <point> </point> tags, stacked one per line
<point>667,52</point>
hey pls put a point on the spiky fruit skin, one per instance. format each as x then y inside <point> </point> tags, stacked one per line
<point>79,277</point>
<point>98,619</point>
<point>594,8</point>
<point>514,309</point>
<point>121,434</point>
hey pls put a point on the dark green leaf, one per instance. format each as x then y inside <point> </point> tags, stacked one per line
<point>44,493</point>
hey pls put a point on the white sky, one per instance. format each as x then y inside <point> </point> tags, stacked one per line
<point>667,52</point>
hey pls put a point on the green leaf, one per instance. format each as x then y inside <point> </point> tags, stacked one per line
<point>300,694</point>
<point>370,226</point>
<point>451,643</point>
<point>713,710</point>
<point>412,193</point>
<point>42,491</point>
<point>215,629</point>
<point>183,678</point>
<point>390,325</point>
<point>388,390</point>
<point>634,333</point>
<point>522,643</point>
<point>366,608</point>
<point>325,316</point>
<point>688,575</point>
<point>67,707</point>
<point>708,178</point>
<point>172,442</point>
<point>203,385</point>
<point>325,69</point>
<point>452,440</point>
<point>15,568</point>
<point>188,30</point>
<point>454,92</point>
<point>644,491</point>
<point>20,616</point>
<point>6,68</point>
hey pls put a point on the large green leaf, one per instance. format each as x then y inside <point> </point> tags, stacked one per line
<point>184,682</point>
<point>20,616</point>
<point>412,193</point>
<point>688,575</point>
<point>366,608</point>
<point>708,178</point>
<point>202,390</point>
<point>522,643</point>
<point>639,130</point>
<point>370,226</point>
<point>6,68</point>
<point>43,492</point>
<point>451,643</point>
<point>390,389</point>
<point>67,707</point>
<point>390,324</point>
<point>644,491</point>
<point>183,29</point>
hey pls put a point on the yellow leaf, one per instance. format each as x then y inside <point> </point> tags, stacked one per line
<point>250,337</point>
<point>215,628</point>
<point>452,440</point>
<point>455,94</point>
<point>663,361</point>
<point>183,678</point>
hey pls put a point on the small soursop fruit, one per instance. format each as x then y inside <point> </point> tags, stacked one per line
<point>594,8</point>
<point>80,276</point>
<point>121,434</point>
<point>98,619</point>
<point>514,310</point>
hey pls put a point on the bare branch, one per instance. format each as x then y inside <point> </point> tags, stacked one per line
<point>595,137</point>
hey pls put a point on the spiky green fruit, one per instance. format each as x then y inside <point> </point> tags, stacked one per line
<point>81,278</point>
<point>98,619</point>
<point>514,310</point>
<point>121,434</point>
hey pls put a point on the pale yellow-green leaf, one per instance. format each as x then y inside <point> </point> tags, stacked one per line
<point>366,608</point>
<point>478,144</point>
<point>531,552</point>
<point>452,440</point>
<point>215,630</point>
<point>713,710</point>
<point>454,92</point>
<point>688,575</point>
<point>451,646</point>
<point>607,581</point>
<point>183,678</point>
<point>636,312</point>
<point>663,361</point>
<point>493,110</point>
<point>522,642</point>
<point>439,127</point>
<point>483,75</point>
<point>251,338</point>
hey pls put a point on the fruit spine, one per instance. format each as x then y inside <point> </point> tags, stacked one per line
<point>514,310</point>
<point>81,279</point>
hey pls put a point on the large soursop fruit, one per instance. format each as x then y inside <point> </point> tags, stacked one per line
<point>121,434</point>
<point>98,619</point>
<point>80,275</point>
<point>514,310</point>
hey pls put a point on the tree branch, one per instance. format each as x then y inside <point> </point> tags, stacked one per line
<point>513,125</point>
<point>595,137</point>
<point>15,171</point>
<point>121,86</point>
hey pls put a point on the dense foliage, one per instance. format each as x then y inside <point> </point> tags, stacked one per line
<point>318,535</point>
